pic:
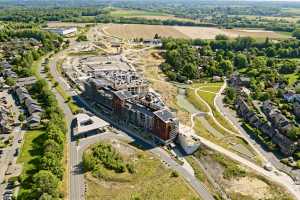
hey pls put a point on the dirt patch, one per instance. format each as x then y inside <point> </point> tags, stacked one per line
<point>124,149</point>
<point>248,186</point>
<point>130,31</point>
<point>211,32</point>
<point>148,64</point>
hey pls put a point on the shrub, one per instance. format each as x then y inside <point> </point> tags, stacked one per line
<point>130,168</point>
<point>174,174</point>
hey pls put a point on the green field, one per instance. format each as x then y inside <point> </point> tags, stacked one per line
<point>151,180</point>
<point>30,151</point>
<point>134,13</point>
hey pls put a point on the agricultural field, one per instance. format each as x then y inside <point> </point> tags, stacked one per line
<point>150,179</point>
<point>129,31</point>
<point>146,15</point>
<point>134,13</point>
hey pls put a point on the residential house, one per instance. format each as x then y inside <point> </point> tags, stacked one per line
<point>33,108</point>
<point>276,128</point>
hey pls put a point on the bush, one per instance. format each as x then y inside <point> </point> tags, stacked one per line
<point>130,168</point>
<point>174,174</point>
<point>81,38</point>
<point>106,155</point>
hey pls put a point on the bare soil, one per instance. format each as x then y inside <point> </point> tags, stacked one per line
<point>129,31</point>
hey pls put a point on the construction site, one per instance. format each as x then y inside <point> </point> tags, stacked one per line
<point>110,81</point>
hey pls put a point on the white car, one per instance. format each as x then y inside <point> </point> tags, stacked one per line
<point>268,167</point>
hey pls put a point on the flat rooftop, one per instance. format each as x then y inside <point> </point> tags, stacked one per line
<point>86,123</point>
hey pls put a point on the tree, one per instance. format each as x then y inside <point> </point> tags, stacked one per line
<point>47,196</point>
<point>10,81</point>
<point>21,117</point>
<point>82,38</point>
<point>259,62</point>
<point>226,67</point>
<point>52,163</point>
<point>45,182</point>
<point>230,93</point>
<point>294,133</point>
<point>296,33</point>
<point>221,37</point>
<point>53,147</point>
<point>287,67</point>
<point>56,84</point>
<point>271,52</point>
<point>240,61</point>
<point>174,174</point>
<point>297,89</point>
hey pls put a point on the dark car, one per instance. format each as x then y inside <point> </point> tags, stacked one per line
<point>17,152</point>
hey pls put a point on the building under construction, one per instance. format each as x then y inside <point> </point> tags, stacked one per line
<point>125,97</point>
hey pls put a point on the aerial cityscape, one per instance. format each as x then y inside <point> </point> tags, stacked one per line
<point>149,100</point>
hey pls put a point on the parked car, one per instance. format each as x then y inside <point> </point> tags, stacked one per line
<point>8,192</point>
<point>268,167</point>
<point>16,152</point>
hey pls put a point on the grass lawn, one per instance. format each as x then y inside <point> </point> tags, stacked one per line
<point>193,98</point>
<point>35,67</point>
<point>209,98</point>
<point>211,88</point>
<point>151,180</point>
<point>30,151</point>
<point>29,158</point>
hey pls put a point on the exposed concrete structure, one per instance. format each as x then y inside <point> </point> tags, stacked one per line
<point>87,124</point>
<point>188,139</point>
<point>63,31</point>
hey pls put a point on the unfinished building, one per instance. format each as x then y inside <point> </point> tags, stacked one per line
<point>125,97</point>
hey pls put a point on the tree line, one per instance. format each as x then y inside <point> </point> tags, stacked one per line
<point>44,184</point>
